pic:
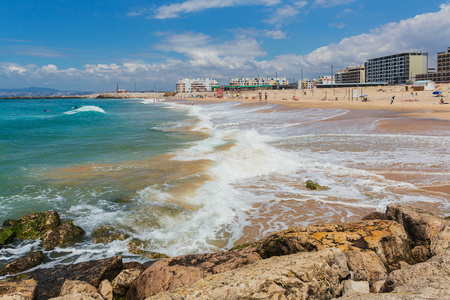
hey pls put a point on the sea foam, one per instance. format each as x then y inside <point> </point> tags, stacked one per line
<point>87,108</point>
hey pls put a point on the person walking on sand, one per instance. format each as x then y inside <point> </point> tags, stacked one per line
<point>260,96</point>
<point>265,96</point>
<point>392,99</point>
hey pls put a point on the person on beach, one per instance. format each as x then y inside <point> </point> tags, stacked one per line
<point>265,96</point>
<point>392,99</point>
<point>260,96</point>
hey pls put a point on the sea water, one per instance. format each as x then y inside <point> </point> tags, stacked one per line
<point>199,178</point>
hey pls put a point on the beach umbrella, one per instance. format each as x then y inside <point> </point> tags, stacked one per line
<point>437,92</point>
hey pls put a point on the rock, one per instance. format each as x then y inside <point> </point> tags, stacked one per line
<point>77,296</point>
<point>316,275</point>
<point>105,289</point>
<point>123,281</point>
<point>32,226</point>
<point>6,235</point>
<point>355,287</point>
<point>79,287</point>
<point>107,234</point>
<point>24,288</point>
<point>23,264</point>
<point>171,273</point>
<point>420,253</point>
<point>377,286</point>
<point>312,185</point>
<point>136,246</point>
<point>441,242</point>
<point>420,225</point>
<point>50,281</point>
<point>429,279</point>
<point>366,266</point>
<point>64,236</point>
<point>135,265</point>
<point>375,216</point>
<point>387,239</point>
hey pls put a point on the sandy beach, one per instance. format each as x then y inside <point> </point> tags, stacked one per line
<point>420,104</point>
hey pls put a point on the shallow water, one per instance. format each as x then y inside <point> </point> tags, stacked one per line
<point>203,177</point>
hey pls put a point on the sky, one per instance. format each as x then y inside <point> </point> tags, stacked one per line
<point>79,45</point>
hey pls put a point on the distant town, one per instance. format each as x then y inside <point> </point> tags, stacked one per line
<point>396,69</point>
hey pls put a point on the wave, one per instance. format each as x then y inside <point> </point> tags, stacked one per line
<point>88,108</point>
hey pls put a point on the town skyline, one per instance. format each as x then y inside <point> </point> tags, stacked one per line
<point>79,46</point>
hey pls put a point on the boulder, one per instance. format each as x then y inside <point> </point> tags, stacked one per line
<point>7,235</point>
<point>23,264</point>
<point>135,265</point>
<point>316,275</point>
<point>107,234</point>
<point>50,281</point>
<point>136,246</point>
<point>386,238</point>
<point>71,287</point>
<point>441,242</point>
<point>105,289</point>
<point>63,236</point>
<point>366,266</point>
<point>352,287</point>
<point>171,273</point>
<point>420,225</point>
<point>24,288</point>
<point>77,296</point>
<point>32,226</point>
<point>123,281</point>
<point>375,216</point>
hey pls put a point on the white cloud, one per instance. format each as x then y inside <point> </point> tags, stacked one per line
<point>337,25</point>
<point>275,34</point>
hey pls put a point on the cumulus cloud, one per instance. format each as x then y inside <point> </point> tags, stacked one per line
<point>286,12</point>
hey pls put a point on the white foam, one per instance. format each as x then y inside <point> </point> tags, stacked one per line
<point>87,108</point>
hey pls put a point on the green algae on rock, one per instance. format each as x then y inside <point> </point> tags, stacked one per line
<point>107,234</point>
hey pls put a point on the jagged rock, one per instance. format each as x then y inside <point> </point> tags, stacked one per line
<point>63,236</point>
<point>79,287</point>
<point>123,281</point>
<point>32,226</point>
<point>6,235</point>
<point>24,288</point>
<point>352,287</point>
<point>441,242</point>
<point>22,264</point>
<point>375,216</point>
<point>312,185</point>
<point>107,234</point>
<point>136,246</point>
<point>50,281</point>
<point>171,273</point>
<point>77,296</point>
<point>316,275</point>
<point>387,239</point>
<point>420,225</point>
<point>428,279</point>
<point>105,289</point>
<point>366,266</point>
<point>135,265</point>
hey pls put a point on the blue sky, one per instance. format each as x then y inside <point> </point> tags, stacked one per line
<point>94,45</point>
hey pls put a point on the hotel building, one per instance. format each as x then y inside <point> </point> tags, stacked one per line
<point>443,69</point>
<point>355,74</point>
<point>188,85</point>
<point>396,69</point>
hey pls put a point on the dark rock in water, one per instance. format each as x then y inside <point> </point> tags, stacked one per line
<point>32,226</point>
<point>312,185</point>
<point>107,234</point>
<point>6,235</point>
<point>22,289</point>
<point>134,265</point>
<point>22,264</point>
<point>375,216</point>
<point>50,281</point>
<point>64,236</point>
<point>171,273</point>
<point>136,246</point>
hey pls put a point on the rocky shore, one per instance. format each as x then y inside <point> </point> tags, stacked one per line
<point>401,254</point>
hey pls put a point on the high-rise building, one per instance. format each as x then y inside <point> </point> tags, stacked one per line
<point>443,69</point>
<point>396,69</point>
<point>355,74</point>
<point>188,85</point>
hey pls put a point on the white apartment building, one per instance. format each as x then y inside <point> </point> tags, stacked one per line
<point>327,79</point>
<point>396,69</point>
<point>188,85</point>
<point>306,84</point>
<point>258,81</point>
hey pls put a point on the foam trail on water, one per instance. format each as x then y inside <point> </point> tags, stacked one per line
<point>87,108</point>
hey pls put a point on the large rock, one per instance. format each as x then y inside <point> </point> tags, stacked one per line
<point>171,273</point>
<point>317,275</point>
<point>136,246</point>
<point>421,226</point>
<point>441,242</point>
<point>107,234</point>
<point>7,235</point>
<point>50,281</point>
<point>386,238</point>
<point>123,281</point>
<point>63,236</point>
<point>106,290</point>
<point>366,266</point>
<point>32,226</point>
<point>23,264</point>
<point>71,287</point>
<point>25,288</point>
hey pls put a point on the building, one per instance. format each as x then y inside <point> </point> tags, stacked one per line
<point>424,85</point>
<point>188,85</point>
<point>355,74</point>
<point>443,69</point>
<point>396,69</point>
<point>258,81</point>
<point>306,84</point>
<point>326,80</point>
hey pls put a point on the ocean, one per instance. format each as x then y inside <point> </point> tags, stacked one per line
<point>205,177</point>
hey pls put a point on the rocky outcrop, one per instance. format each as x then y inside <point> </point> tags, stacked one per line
<point>299,276</point>
<point>106,290</point>
<point>171,273</point>
<point>6,235</point>
<point>107,234</point>
<point>32,226</point>
<point>23,264</point>
<point>26,289</point>
<point>123,281</point>
<point>71,287</point>
<point>136,246</point>
<point>63,236</point>
<point>50,281</point>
